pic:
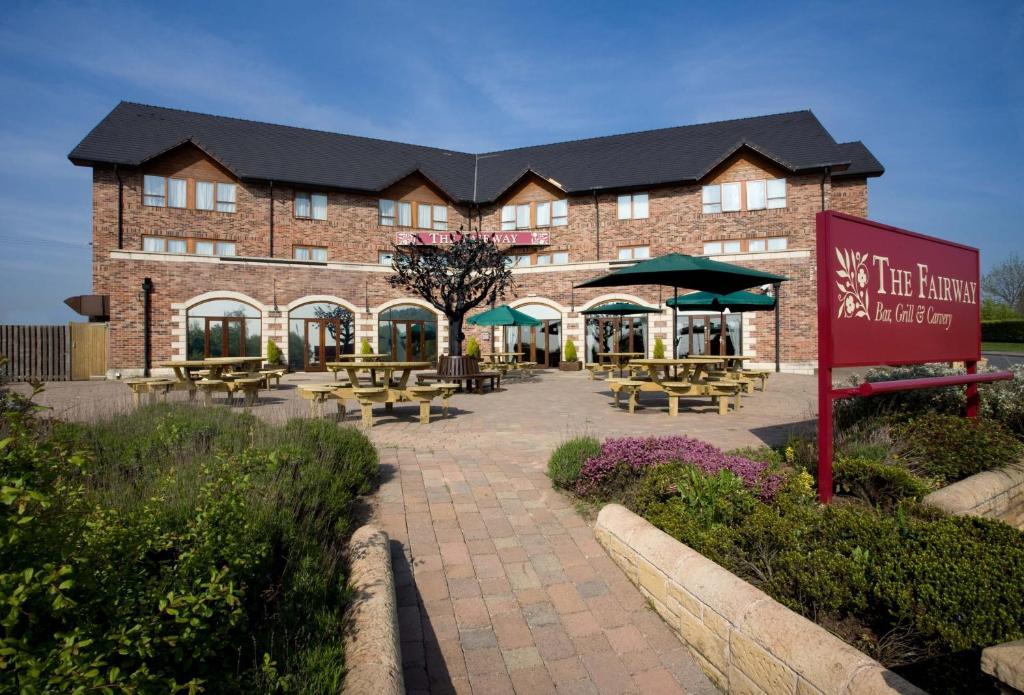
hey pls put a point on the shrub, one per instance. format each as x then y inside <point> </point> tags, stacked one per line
<point>659,349</point>
<point>567,460</point>
<point>570,351</point>
<point>950,448</point>
<point>1004,401</point>
<point>626,458</point>
<point>473,347</point>
<point>273,352</point>
<point>365,348</point>
<point>876,483</point>
<point>992,310</point>
<point>903,404</point>
<point>148,551</point>
<point>1003,331</point>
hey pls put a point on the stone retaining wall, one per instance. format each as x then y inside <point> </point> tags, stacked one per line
<point>373,654</point>
<point>1005,662</point>
<point>997,494</point>
<point>743,639</point>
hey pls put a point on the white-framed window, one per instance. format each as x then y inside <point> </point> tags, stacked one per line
<point>226,248</point>
<point>226,196</point>
<point>756,245</point>
<point>204,248</point>
<point>310,253</point>
<point>319,206</point>
<point>386,212</point>
<point>204,195</point>
<point>777,243</point>
<point>440,218</point>
<point>560,257</point>
<point>404,214</point>
<point>630,253</point>
<point>633,207</point>
<point>731,197</point>
<point>508,218</point>
<point>523,216</point>
<point>177,193</point>
<point>776,193</point>
<point>712,247</point>
<point>523,260</point>
<point>310,206</point>
<point>560,213</point>
<point>423,216</point>
<point>177,246</point>
<point>385,257</point>
<point>302,205</point>
<point>711,197</point>
<point>756,199</point>
<point>154,244</point>
<point>732,247</point>
<point>543,259</point>
<point>543,214</point>
<point>154,191</point>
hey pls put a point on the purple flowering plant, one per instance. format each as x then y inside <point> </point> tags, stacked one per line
<point>640,453</point>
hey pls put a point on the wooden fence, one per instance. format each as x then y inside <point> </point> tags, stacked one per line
<point>35,352</point>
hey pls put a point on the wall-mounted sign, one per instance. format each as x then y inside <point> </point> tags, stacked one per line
<point>889,296</point>
<point>535,238</point>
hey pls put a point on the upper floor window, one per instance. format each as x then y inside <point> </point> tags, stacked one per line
<point>633,207</point>
<point>546,258</point>
<point>391,213</point>
<point>432,216</point>
<point>201,247</point>
<point>553,213</point>
<point>777,243</point>
<point>634,253</point>
<point>758,194</point>
<point>154,190</point>
<point>162,191</point>
<point>226,194</point>
<point>310,206</point>
<point>385,257</point>
<point>310,253</point>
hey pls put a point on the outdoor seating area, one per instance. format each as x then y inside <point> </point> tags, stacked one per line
<point>228,375</point>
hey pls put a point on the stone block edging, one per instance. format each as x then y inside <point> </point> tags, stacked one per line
<point>1005,662</point>
<point>744,640</point>
<point>373,655</point>
<point>996,494</point>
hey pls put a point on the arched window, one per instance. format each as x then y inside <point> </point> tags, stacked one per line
<point>223,328</point>
<point>318,333</point>
<point>541,344</point>
<point>615,334</point>
<point>408,333</point>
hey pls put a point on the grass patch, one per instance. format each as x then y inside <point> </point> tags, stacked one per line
<point>1003,347</point>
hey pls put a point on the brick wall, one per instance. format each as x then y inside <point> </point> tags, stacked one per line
<point>353,236</point>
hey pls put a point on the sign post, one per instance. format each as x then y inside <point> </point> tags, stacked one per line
<point>887,296</point>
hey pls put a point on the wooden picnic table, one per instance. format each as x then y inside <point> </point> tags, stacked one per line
<point>503,357</point>
<point>619,360</point>
<point>339,365</point>
<point>677,378</point>
<point>217,365</point>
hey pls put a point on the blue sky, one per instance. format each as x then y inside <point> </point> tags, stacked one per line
<point>935,89</point>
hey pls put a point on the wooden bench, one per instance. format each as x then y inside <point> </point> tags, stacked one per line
<point>737,377</point>
<point>151,386</point>
<point>208,386</point>
<point>757,374</point>
<point>275,374</point>
<point>460,370</point>
<point>248,386</point>
<point>595,368</point>
<point>317,396</point>
<point>631,387</point>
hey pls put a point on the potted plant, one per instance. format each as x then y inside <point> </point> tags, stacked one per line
<point>365,348</point>
<point>274,357</point>
<point>659,349</point>
<point>569,362</point>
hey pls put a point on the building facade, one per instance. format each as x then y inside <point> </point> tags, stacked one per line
<point>250,231</point>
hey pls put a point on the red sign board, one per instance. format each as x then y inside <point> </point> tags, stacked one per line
<point>535,238</point>
<point>889,296</point>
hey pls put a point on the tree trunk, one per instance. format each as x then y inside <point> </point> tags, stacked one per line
<point>454,337</point>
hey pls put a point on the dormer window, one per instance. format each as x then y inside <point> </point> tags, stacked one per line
<point>154,191</point>
<point>758,194</point>
<point>310,206</point>
<point>432,217</point>
<point>551,213</point>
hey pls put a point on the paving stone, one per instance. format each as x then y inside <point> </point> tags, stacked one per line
<point>477,638</point>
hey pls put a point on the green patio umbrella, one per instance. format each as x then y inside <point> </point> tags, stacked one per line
<point>734,301</point>
<point>503,315</point>
<point>677,270</point>
<point>620,309</point>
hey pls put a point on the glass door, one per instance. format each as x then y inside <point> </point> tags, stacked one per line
<point>400,341</point>
<point>225,337</point>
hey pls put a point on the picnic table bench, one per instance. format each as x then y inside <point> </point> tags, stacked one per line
<point>459,370</point>
<point>691,383</point>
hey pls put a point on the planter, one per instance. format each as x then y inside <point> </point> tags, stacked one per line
<point>570,366</point>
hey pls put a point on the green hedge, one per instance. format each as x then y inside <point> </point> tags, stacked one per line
<point>176,549</point>
<point>1007,331</point>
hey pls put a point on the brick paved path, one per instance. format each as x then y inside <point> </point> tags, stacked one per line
<point>502,587</point>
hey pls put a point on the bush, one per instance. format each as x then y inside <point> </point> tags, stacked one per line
<point>273,352</point>
<point>659,349</point>
<point>176,547</point>
<point>567,460</point>
<point>949,448</point>
<point>473,347</point>
<point>991,310</point>
<point>1003,331</point>
<point>1004,401</point>
<point>876,483</point>
<point>365,348</point>
<point>570,351</point>
<point>902,404</point>
<point>625,459</point>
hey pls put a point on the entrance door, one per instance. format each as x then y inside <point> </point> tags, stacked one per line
<point>321,343</point>
<point>409,341</point>
<point>225,337</point>
<point>541,344</point>
<point>88,350</point>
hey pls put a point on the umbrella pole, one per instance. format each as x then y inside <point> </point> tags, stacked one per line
<point>675,329</point>
<point>721,335</point>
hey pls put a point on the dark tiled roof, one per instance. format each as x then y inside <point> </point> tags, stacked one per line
<point>134,133</point>
<point>862,162</point>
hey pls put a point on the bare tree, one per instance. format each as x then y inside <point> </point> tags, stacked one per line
<point>455,279</point>
<point>1005,282</point>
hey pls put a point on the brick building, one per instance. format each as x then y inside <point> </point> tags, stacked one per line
<point>250,231</point>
